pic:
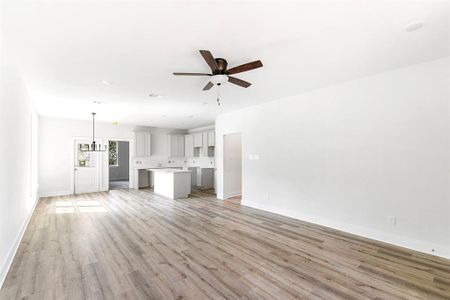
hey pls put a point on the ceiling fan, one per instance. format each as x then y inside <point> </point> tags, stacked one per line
<point>220,73</point>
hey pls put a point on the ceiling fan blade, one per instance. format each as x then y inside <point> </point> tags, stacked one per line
<point>191,74</point>
<point>210,60</point>
<point>208,86</point>
<point>245,67</point>
<point>239,82</point>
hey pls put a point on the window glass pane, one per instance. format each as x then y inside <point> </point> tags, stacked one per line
<point>83,158</point>
<point>113,153</point>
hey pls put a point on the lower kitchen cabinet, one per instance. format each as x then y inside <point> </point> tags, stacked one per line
<point>202,177</point>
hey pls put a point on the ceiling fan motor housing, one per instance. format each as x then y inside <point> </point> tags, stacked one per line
<point>222,65</point>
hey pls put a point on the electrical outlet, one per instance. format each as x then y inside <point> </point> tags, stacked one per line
<point>392,220</point>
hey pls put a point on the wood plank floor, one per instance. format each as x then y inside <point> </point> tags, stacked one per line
<point>129,244</point>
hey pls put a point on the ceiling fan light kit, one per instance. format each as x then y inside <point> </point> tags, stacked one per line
<point>219,79</point>
<point>220,73</point>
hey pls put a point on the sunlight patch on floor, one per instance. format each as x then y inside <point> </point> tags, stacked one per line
<point>79,207</point>
<point>65,210</point>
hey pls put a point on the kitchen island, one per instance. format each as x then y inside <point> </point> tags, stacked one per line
<point>171,183</point>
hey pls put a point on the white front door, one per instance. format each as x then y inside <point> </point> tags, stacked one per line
<point>87,166</point>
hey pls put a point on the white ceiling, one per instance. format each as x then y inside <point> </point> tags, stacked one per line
<point>65,49</point>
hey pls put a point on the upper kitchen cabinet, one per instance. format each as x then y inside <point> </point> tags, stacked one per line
<point>207,149</point>
<point>211,138</point>
<point>203,144</point>
<point>189,145</point>
<point>198,140</point>
<point>143,144</point>
<point>176,145</point>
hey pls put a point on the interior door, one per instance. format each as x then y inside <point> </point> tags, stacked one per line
<point>86,168</point>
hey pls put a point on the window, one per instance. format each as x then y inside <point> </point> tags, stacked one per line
<point>113,153</point>
<point>83,157</point>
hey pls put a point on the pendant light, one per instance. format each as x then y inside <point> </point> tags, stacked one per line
<point>94,147</point>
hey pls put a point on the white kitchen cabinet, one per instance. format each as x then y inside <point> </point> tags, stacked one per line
<point>211,138</point>
<point>207,150</point>
<point>205,178</point>
<point>189,145</point>
<point>176,145</point>
<point>143,142</point>
<point>205,143</point>
<point>174,184</point>
<point>198,140</point>
<point>193,175</point>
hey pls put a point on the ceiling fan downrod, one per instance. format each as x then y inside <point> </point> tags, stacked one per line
<point>218,94</point>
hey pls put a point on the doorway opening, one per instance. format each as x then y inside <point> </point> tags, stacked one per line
<point>232,167</point>
<point>119,164</point>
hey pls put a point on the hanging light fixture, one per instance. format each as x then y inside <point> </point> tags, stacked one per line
<point>94,147</point>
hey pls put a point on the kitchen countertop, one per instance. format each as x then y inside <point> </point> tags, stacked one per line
<point>167,170</point>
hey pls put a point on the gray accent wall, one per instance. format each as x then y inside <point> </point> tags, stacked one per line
<point>122,171</point>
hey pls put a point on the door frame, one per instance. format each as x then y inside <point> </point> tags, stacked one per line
<point>104,170</point>
<point>224,194</point>
<point>72,162</point>
<point>130,161</point>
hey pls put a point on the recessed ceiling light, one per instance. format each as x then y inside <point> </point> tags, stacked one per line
<point>414,26</point>
<point>97,102</point>
<point>106,82</point>
<point>153,95</point>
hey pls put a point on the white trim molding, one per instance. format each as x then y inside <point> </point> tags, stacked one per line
<point>420,246</point>
<point>4,268</point>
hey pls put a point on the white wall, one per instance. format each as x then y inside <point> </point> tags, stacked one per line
<point>232,165</point>
<point>18,161</point>
<point>56,150</point>
<point>122,170</point>
<point>56,143</point>
<point>351,155</point>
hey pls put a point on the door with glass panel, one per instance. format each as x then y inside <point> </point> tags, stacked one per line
<point>87,164</point>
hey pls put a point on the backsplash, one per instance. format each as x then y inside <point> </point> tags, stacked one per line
<point>204,162</point>
<point>165,161</point>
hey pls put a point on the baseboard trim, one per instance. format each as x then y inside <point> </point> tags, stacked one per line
<point>4,269</point>
<point>232,194</point>
<point>57,193</point>
<point>420,246</point>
